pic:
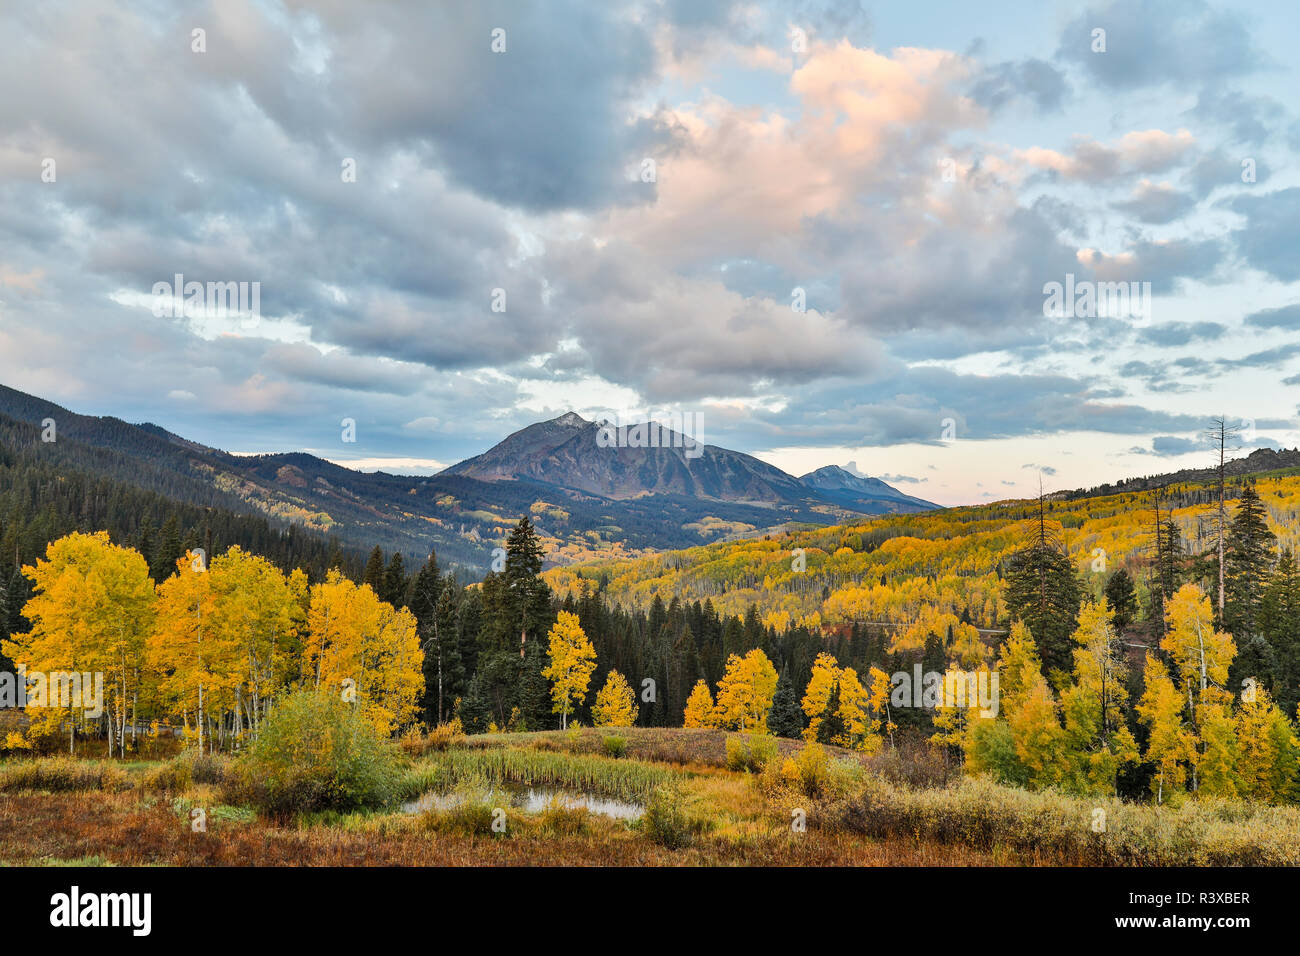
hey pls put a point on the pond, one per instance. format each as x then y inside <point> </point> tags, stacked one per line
<point>530,800</point>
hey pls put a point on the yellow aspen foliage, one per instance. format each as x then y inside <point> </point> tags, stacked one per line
<point>861,726</point>
<point>364,649</point>
<point>745,692</point>
<point>1171,746</point>
<point>967,648</point>
<point>1036,734</point>
<point>615,703</point>
<point>1097,741</point>
<point>1201,654</point>
<point>879,686</point>
<point>959,705</point>
<point>699,706</point>
<point>91,613</point>
<point>572,659</point>
<point>825,673</point>
<point>186,648</point>
<point>259,616</point>
<point>1216,765</point>
<point>1255,748</point>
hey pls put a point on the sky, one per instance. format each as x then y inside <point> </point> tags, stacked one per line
<point>823,230</point>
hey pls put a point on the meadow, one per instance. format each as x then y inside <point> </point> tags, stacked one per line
<point>704,797</point>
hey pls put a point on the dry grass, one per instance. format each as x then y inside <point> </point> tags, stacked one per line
<point>119,830</point>
<point>62,774</point>
<point>705,814</point>
<point>987,816</point>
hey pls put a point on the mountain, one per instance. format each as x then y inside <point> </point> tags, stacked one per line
<point>862,494</point>
<point>586,500</point>
<point>572,452</point>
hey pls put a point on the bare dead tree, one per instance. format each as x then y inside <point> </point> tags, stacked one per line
<point>1220,434</point>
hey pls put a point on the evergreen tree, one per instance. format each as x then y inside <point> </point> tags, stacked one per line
<point>1122,599</point>
<point>475,711</point>
<point>374,573</point>
<point>526,598</point>
<point>1248,556</point>
<point>1279,624</point>
<point>786,719</point>
<point>169,550</point>
<point>831,726</point>
<point>396,582</point>
<point>1042,591</point>
<point>426,590</point>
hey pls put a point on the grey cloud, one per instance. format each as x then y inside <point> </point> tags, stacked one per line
<point>1181,333</point>
<point>1157,42</point>
<point>1032,79</point>
<point>1156,203</point>
<point>1270,240</point>
<point>1286,317</point>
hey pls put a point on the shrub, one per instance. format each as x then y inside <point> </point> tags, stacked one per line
<point>615,746</point>
<point>814,770</point>
<point>174,776</point>
<point>180,773</point>
<point>440,738</point>
<point>471,817</point>
<point>751,754</point>
<point>667,821</point>
<point>62,775</point>
<point>561,820</point>
<point>316,752</point>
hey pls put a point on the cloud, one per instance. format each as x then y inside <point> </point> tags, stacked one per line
<point>1156,203</point>
<point>1032,79</point>
<point>1286,317</point>
<point>1160,42</point>
<point>1142,151</point>
<point>1270,239</point>
<point>1182,333</point>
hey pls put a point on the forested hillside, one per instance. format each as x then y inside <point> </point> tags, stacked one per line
<point>895,569</point>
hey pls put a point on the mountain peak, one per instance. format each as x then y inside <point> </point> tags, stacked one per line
<point>852,489</point>
<point>570,420</point>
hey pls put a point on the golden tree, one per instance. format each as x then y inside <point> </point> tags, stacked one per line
<point>1097,740</point>
<point>699,706</point>
<point>365,649</point>
<point>195,662</point>
<point>572,661</point>
<point>745,692</point>
<point>615,703</point>
<point>860,719</point>
<point>1171,746</point>
<point>91,612</point>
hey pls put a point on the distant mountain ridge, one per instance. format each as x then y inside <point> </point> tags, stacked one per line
<point>572,452</point>
<point>850,490</point>
<point>585,500</point>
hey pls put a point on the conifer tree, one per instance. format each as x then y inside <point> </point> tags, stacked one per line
<point>786,719</point>
<point>1247,561</point>
<point>830,725</point>
<point>1042,590</point>
<point>395,582</point>
<point>1279,624</point>
<point>1122,599</point>
<point>374,573</point>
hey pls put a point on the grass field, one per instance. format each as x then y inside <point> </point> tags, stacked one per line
<point>792,805</point>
